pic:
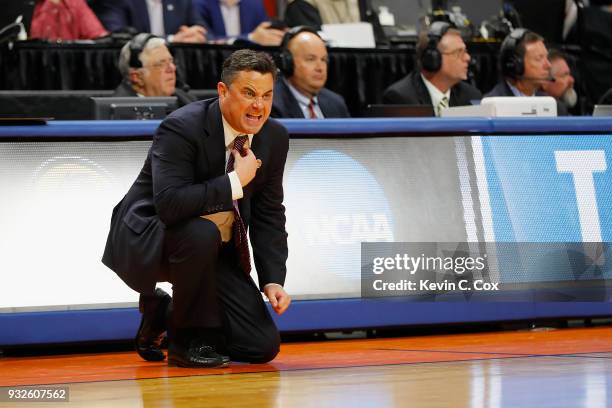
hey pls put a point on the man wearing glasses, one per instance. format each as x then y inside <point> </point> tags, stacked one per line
<point>148,69</point>
<point>442,68</point>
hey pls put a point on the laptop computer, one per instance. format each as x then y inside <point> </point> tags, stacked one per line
<point>394,111</point>
<point>602,110</point>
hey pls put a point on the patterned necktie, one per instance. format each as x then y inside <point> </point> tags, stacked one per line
<point>442,104</point>
<point>239,230</point>
<point>311,111</point>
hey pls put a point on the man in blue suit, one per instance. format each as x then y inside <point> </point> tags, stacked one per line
<point>229,20</point>
<point>300,92</point>
<point>176,20</point>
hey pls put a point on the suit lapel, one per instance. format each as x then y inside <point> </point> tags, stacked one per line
<point>143,14</point>
<point>326,108</point>
<point>171,24</point>
<point>422,92</point>
<point>217,17</point>
<point>454,101</point>
<point>258,146</point>
<point>290,102</point>
<point>245,13</point>
<point>214,140</point>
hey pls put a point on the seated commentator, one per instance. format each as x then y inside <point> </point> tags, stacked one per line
<point>300,91</point>
<point>523,62</point>
<point>439,79</point>
<point>151,72</point>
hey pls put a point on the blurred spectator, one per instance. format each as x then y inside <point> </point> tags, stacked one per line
<point>442,68</point>
<point>313,13</point>
<point>176,20</point>
<point>562,88</point>
<point>65,20</point>
<point>299,92</point>
<point>244,19</point>
<point>148,69</point>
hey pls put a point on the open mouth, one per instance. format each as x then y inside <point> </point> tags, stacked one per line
<point>253,118</point>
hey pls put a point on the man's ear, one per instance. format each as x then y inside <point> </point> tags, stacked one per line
<point>222,89</point>
<point>136,77</point>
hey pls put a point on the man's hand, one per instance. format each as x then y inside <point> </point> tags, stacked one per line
<point>193,34</point>
<point>245,167</point>
<point>263,35</point>
<point>279,299</point>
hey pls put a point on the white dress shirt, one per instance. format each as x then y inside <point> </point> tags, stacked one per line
<point>516,91</point>
<point>304,102</point>
<point>436,95</point>
<point>230,11</point>
<point>230,134</point>
<point>156,17</point>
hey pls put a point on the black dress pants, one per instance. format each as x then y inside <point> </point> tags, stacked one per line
<point>211,291</point>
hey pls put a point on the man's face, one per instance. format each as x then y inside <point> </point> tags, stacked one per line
<point>563,78</point>
<point>537,66</point>
<point>310,63</point>
<point>158,74</point>
<point>455,58</point>
<point>246,103</point>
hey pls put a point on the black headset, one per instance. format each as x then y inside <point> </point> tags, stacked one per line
<point>137,44</point>
<point>285,59</point>
<point>511,63</point>
<point>431,58</point>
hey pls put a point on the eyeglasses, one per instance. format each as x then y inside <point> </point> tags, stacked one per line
<point>458,53</point>
<point>163,64</point>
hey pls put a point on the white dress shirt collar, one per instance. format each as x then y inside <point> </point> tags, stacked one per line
<point>304,101</point>
<point>230,134</point>
<point>156,17</point>
<point>435,94</point>
<point>516,91</point>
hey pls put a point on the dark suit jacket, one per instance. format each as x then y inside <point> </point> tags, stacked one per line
<point>411,90</point>
<point>502,89</point>
<point>252,13</point>
<point>183,97</point>
<point>300,12</point>
<point>286,106</point>
<point>184,177</point>
<point>117,15</point>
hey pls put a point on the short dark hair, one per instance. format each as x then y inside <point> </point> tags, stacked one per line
<point>554,54</point>
<point>528,38</point>
<point>247,60</point>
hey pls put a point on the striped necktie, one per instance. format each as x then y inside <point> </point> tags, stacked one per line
<point>239,229</point>
<point>442,105</point>
<point>311,110</point>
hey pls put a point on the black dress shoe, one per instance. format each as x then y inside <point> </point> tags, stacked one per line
<point>150,334</point>
<point>197,355</point>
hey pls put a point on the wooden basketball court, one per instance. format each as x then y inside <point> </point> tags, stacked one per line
<point>557,368</point>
